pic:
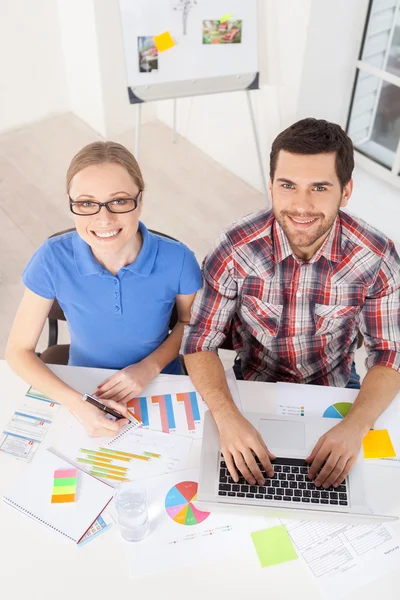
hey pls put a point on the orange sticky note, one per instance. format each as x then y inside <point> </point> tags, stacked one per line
<point>377,444</point>
<point>163,41</point>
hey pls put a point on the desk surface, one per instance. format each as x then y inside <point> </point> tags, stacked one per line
<point>35,563</point>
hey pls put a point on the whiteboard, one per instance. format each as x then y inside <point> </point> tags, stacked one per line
<point>191,67</point>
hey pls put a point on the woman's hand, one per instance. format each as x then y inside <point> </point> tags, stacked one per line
<point>94,421</point>
<point>127,383</point>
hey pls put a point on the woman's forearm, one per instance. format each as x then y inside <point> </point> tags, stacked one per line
<point>167,351</point>
<point>37,374</point>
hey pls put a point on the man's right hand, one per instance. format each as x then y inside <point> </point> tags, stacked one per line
<point>239,440</point>
<point>94,421</point>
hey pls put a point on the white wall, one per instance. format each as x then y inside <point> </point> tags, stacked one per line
<point>77,22</point>
<point>95,65</point>
<point>32,75</point>
<point>377,202</point>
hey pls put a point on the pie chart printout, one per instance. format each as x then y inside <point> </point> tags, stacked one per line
<point>179,507</point>
<point>338,410</point>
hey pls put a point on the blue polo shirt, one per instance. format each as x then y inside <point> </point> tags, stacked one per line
<point>114,321</point>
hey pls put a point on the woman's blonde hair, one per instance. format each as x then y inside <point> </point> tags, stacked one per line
<point>97,153</point>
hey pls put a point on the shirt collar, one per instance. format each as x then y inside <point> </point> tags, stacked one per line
<point>330,249</point>
<point>143,265</point>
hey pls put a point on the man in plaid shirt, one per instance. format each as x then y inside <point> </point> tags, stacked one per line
<point>296,284</point>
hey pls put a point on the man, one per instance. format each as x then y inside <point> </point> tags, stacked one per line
<point>296,284</point>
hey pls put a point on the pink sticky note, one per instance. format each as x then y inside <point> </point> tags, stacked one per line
<point>64,473</point>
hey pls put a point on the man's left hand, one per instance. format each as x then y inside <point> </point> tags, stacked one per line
<point>335,454</point>
<point>127,383</point>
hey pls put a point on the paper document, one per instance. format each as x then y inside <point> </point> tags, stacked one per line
<point>340,557</point>
<point>181,534</point>
<point>134,454</point>
<point>299,400</point>
<point>27,427</point>
<point>172,405</point>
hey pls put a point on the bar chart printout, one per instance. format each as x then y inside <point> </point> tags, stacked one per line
<point>171,413</point>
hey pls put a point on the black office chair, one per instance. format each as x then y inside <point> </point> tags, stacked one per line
<point>58,354</point>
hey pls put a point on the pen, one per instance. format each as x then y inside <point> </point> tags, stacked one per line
<point>95,402</point>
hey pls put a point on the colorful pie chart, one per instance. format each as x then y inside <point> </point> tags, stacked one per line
<point>338,410</point>
<point>179,507</point>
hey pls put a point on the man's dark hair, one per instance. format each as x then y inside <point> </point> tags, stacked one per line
<point>316,136</point>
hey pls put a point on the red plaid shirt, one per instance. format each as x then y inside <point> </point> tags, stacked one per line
<point>297,321</point>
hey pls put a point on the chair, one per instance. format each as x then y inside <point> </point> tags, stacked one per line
<point>58,354</point>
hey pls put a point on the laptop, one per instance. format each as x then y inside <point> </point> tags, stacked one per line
<point>289,493</point>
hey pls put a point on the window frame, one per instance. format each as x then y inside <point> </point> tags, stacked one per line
<point>362,159</point>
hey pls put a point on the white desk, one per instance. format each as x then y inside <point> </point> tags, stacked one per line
<point>36,564</point>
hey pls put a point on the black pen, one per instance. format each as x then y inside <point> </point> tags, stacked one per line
<point>95,402</point>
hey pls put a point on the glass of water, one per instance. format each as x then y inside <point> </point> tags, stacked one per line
<point>131,505</point>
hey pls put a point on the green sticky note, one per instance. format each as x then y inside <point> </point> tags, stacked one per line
<point>225,17</point>
<point>273,546</point>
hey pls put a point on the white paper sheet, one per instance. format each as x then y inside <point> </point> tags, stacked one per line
<point>172,545</point>
<point>323,401</point>
<point>341,558</point>
<point>174,450</point>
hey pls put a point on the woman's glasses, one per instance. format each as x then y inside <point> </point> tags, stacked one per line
<point>89,207</point>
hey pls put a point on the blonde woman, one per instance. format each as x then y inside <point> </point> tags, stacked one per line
<point>117,284</point>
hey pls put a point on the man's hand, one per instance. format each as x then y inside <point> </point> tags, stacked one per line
<point>127,383</point>
<point>239,439</point>
<point>337,450</point>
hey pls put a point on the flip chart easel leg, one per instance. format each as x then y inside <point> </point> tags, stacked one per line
<point>175,101</point>
<point>137,131</point>
<point>258,148</point>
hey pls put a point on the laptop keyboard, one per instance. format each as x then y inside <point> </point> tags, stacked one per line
<point>290,483</point>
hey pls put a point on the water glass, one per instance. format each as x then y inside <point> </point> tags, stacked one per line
<point>131,505</point>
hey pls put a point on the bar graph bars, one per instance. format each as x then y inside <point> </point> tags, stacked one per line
<point>189,400</point>
<point>166,412</point>
<point>178,413</point>
<point>139,406</point>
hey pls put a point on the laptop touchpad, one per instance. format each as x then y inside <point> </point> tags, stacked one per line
<point>283,434</point>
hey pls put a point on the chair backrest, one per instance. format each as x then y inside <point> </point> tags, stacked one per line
<point>57,314</point>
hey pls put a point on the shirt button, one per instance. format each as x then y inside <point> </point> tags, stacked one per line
<point>116,294</point>
<point>117,308</point>
<point>298,294</point>
<point>298,365</point>
<point>297,325</point>
<point>115,281</point>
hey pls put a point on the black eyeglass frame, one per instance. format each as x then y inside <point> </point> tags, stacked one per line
<point>106,204</point>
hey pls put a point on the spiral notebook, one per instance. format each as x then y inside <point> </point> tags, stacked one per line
<point>32,493</point>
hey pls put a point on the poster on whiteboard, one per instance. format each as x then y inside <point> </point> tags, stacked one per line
<point>177,48</point>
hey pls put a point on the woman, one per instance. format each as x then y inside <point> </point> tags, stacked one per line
<point>116,283</point>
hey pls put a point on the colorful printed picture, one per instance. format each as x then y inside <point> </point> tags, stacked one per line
<point>148,54</point>
<point>229,32</point>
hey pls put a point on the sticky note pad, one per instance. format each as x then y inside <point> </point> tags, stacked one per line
<point>64,486</point>
<point>225,18</point>
<point>273,546</point>
<point>163,41</point>
<point>377,444</point>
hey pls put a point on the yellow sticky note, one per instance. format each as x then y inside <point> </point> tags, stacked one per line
<point>163,41</point>
<point>225,18</point>
<point>377,444</point>
<point>273,546</point>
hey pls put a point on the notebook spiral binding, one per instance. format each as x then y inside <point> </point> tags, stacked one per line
<point>33,516</point>
<point>120,435</point>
